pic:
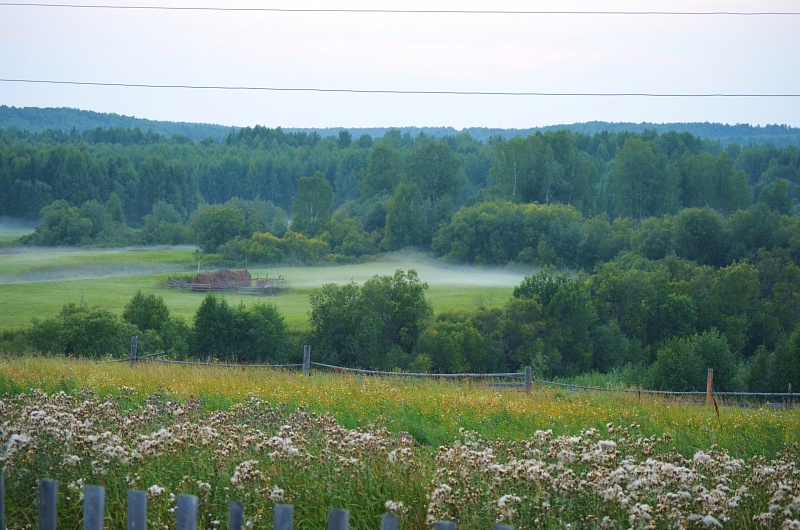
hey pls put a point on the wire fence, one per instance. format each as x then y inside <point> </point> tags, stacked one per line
<point>520,380</point>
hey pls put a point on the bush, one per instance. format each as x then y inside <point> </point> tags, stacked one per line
<point>82,331</point>
<point>256,334</point>
<point>682,364</point>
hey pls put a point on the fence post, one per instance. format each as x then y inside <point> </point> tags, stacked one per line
<point>445,525</point>
<point>307,359</point>
<point>283,515</point>
<point>2,502</point>
<point>389,521</point>
<point>187,512</point>
<point>137,510</point>
<point>788,406</point>
<point>528,379</point>
<point>709,386</point>
<point>48,501</point>
<point>338,520</point>
<point>93,507</point>
<point>235,515</point>
<point>134,349</point>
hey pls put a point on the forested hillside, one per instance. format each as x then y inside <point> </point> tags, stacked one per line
<point>682,252</point>
<point>35,119</point>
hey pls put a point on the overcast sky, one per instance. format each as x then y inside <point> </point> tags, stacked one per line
<point>569,53</point>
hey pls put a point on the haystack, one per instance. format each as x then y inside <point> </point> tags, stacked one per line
<point>225,277</point>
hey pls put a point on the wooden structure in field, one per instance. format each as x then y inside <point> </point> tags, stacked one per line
<point>224,280</point>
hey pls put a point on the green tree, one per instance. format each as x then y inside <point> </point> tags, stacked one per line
<point>776,196</point>
<point>61,224</point>
<point>312,207</point>
<point>164,226</point>
<point>384,171</point>
<point>342,329</point>
<point>82,331</point>
<point>212,333</point>
<point>406,219</point>
<point>260,335</point>
<point>700,234</point>
<point>566,321</point>
<point>731,304</point>
<point>146,312</point>
<point>682,365</point>
<point>435,171</point>
<point>642,182</point>
<point>213,225</point>
<point>453,347</point>
<point>359,325</point>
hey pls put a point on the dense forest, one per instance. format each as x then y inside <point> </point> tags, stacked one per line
<point>661,250</point>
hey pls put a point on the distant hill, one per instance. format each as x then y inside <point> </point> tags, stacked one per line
<point>779,135</point>
<point>37,119</point>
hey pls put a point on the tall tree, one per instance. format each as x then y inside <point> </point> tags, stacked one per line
<point>435,170</point>
<point>642,182</point>
<point>312,207</point>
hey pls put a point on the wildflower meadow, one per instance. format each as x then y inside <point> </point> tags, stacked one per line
<point>424,450</point>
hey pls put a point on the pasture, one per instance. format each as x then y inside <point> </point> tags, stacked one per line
<point>38,282</point>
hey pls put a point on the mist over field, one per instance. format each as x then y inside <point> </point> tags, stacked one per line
<point>434,273</point>
<point>49,264</point>
<point>16,224</point>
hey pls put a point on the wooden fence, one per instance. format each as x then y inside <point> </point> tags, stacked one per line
<point>186,512</point>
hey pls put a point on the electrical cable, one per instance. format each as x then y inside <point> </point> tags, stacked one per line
<point>407,92</point>
<point>406,11</point>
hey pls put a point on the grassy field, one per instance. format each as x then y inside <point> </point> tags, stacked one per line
<point>38,282</point>
<point>423,449</point>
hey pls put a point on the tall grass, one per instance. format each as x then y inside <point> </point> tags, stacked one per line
<point>428,450</point>
<point>433,412</point>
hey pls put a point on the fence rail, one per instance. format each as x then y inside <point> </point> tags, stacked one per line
<point>186,511</point>
<point>520,380</point>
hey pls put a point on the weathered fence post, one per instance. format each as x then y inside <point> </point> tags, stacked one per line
<point>187,512</point>
<point>788,406</point>
<point>2,503</point>
<point>283,515</point>
<point>709,386</point>
<point>307,359</point>
<point>137,510</point>
<point>445,525</point>
<point>134,349</point>
<point>48,502</point>
<point>389,521</point>
<point>528,379</point>
<point>235,515</point>
<point>93,507</point>
<point>338,520</point>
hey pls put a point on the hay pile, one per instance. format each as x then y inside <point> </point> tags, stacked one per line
<point>225,277</point>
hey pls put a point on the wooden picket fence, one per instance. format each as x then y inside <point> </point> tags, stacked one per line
<point>186,512</point>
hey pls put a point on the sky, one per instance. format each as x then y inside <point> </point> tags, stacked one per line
<point>441,52</point>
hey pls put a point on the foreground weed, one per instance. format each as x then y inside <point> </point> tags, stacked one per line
<point>261,453</point>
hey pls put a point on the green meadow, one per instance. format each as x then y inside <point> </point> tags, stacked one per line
<point>37,282</point>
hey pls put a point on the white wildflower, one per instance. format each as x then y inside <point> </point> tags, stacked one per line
<point>276,494</point>
<point>155,490</point>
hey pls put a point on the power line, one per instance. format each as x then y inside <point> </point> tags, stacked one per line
<point>407,11</point>
<point>407,92</point>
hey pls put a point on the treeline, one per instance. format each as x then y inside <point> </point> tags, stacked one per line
<point>390,192</point>
<point>659,325</point>
<point>254,334</point>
